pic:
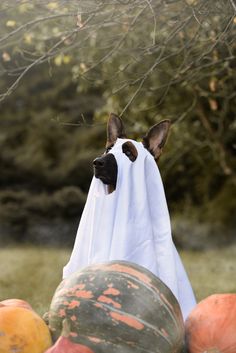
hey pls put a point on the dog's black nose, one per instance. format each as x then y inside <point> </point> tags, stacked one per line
<point>99,162</point>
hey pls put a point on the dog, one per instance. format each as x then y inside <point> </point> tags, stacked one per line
<point>126,215</point>
<point>105,167</point>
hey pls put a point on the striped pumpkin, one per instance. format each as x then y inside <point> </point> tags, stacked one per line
<point>118,307</point>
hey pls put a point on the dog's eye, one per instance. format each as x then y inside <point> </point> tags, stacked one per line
<point>130,150</point>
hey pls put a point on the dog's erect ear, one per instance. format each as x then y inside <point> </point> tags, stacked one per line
<point>115,129</point>
<point>156,137</point>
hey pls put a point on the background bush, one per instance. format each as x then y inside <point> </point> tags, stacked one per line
<point>63,71</point>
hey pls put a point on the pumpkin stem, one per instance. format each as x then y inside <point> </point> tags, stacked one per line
<point>65,328</point>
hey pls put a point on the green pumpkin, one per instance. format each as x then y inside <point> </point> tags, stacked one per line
<point>118,307</point>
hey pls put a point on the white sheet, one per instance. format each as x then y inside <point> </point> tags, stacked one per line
<point>131,224</point>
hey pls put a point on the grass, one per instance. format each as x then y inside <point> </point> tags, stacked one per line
<point>211,271</point>
<point>33,273</point>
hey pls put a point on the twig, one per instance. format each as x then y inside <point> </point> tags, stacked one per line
<point>134,95</point>
<point>39,60</point>
<point>233,5</point>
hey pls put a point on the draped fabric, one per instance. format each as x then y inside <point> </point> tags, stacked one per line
<point>133,224</point>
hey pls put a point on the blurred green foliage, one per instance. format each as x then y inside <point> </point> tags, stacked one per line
<point>64,66</point>
<point>46,165</point>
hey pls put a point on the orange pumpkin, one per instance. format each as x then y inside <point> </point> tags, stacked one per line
<point>22,330</point>
<point>64,344</point>
<point>16,302</point>
<point>211,326</point>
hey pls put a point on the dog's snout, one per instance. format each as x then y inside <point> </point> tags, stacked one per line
<point>105,168</point>
<point>99,162</point>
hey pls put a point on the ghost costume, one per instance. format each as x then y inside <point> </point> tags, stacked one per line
<point>132,224</point>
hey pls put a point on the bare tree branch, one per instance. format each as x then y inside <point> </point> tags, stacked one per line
<point>38,61</point>
<point>143,35</point>
<point>233,5</point>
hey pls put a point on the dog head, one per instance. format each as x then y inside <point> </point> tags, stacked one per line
<point>106,168</point>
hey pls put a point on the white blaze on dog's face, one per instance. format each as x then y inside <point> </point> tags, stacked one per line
<point>106,168</point>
